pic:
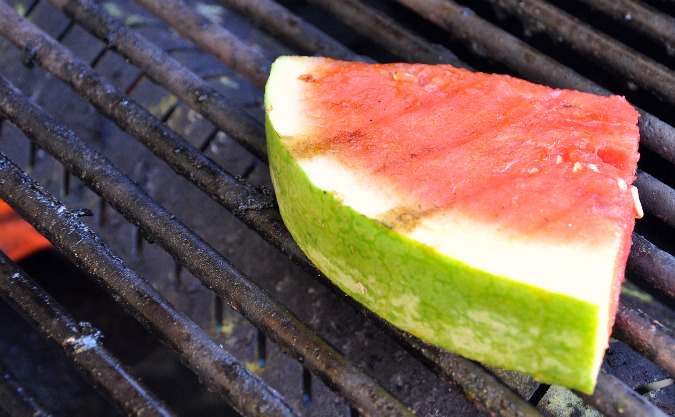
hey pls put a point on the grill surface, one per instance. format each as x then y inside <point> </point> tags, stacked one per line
<point>145,165</point>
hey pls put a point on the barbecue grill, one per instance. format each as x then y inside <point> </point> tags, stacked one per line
<point>131,137</point>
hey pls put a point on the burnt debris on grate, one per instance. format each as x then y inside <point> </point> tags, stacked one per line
<point>226,105</point>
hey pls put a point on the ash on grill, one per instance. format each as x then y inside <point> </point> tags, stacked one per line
<point>156,106</point>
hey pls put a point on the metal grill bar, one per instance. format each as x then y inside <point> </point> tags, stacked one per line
<point>215,272</point>
<point>363,18</point>
<point>497,44</point>
<point>658,198</point>
<point>639,17</point>
<point>647,336</point>
<point>614,398</point>
<point>291,29</point>
<point>217,369</point>
<point>653,265</point>
<point>164,70</point>
<point>388,33</point>
<point>249,205</point>
<point>213,38</point>
<point>80,344</point>
<point>14,400</point>
<point>487,40</point>
<point>593,44</point>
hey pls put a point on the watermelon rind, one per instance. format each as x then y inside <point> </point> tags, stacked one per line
<point>554,332</point>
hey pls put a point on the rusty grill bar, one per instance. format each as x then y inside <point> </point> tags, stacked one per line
<point>491,390</point>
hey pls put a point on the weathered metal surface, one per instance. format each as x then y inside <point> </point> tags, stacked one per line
<point>387,32</point>
<point>657,198</point>
<point>214,38</point>
<point>253,206</point>
<point>647,336</point>
<point>163,69</point>
<point>80,342</point>
<point>291,29</point>
<point>652,265</point>
<point>541,17</point>
<point>219,370</point>
<point>614,398</point>
<point>640,18</point>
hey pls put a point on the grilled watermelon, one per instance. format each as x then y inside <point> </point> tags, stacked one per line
<point>482,213</point>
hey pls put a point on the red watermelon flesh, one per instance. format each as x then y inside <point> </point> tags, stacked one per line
<point>473,141</point>
<point>515,179</point>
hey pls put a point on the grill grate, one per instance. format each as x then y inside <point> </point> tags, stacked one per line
<point>627,63</point>
<point>79,342</point>
<point>249,54</point>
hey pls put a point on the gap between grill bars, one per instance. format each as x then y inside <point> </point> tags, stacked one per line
<point>266,222</point>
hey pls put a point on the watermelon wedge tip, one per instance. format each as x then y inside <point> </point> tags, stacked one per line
<point>482,213</point>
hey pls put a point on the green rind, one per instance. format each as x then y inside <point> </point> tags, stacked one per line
<point>481,316</point>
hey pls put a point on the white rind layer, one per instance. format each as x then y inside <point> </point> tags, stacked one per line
<point>288,119</point>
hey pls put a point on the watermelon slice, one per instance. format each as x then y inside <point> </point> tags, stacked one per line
<point>482,213</point>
